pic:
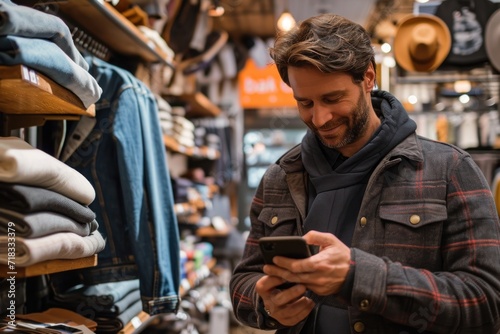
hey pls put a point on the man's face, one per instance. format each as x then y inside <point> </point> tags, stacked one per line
<point>334,108</point>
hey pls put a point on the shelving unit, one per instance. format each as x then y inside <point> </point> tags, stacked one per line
<point>49,267</point>
<point>210,232</point>
<point>485,74</point>
<point>29,98</point>
<point>104,23</point>
<point>203,152</point>
<point>438,88</point>
<point>134,323</point>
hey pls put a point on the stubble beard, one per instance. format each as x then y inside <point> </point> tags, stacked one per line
<point>356,125</point>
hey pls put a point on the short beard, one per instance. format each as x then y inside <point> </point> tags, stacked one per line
<point>359,124</point>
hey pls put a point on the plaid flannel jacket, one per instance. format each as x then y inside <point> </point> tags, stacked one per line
<point>436,274</point>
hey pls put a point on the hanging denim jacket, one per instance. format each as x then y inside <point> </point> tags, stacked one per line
<point>121,152</point>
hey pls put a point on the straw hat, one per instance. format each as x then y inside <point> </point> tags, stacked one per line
<point>421,42</point>
<point>492,38</point>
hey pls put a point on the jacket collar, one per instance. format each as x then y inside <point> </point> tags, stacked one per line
<point>409,148</point>
<point>291,161</point>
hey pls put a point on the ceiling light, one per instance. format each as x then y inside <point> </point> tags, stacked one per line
<point>412,99</point>
<point>216,10</point>
<point>386,48</point>
<point>286,21</point>
<point>464,98</point>
<point>462,86</point>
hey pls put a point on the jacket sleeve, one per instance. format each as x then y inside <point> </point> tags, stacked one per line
<point>247,305</point>
<point>464,295</point>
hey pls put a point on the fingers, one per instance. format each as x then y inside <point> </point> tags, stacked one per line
<point>320,239</point>
<point>322,273</point>
<point>289,306</point>
<point>266,284</point>
<point>292,313</point>
<point>289,270</point>
<point>287,296</point>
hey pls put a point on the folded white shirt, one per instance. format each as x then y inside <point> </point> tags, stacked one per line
<point>22,163</point>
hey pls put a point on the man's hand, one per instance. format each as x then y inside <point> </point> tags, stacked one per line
<point>288,306</point>
<point>322,273</point>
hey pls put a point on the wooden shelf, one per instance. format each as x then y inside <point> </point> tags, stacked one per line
<point>484,74</point>
<point>203,152</point>
<point>107,25</point>
<point>200,106</point>
<point>135,323</point>
<point>25,91</point>
<point>49,267</point>
<point>210,232</point>
<point>185,209</point>
<point>28,98</point>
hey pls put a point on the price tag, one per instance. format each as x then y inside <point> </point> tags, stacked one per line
<point>136,322</point>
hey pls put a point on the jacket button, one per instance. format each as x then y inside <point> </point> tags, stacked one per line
<point>359,327</point>
<point>414,219</point>
<point>362,221</point>
<point>274,220</point>
<point>364,304</point>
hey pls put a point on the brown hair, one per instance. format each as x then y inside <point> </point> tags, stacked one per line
<point>329,42</point>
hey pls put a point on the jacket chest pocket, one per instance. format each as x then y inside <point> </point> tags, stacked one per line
<point>412,232</point>
<point>279,221</point>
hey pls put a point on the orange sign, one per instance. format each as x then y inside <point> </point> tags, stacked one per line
<point>262,87</point>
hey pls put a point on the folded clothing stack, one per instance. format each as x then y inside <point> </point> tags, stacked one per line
<point>44,206</point>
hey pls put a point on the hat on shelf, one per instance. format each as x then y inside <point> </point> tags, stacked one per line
<point>421,43</point>
<point>466,21</point>
<point>492,38</point>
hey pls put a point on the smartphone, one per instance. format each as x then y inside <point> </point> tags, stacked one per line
<point>294,247</point>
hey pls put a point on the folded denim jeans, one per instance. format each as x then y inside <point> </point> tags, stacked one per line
<point>115,324</point>
<point>47,58</point>
<point>93,306</point>
<point>28,22</point>
<point>104,293</point>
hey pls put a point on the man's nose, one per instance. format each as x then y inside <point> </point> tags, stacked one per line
<point>320,115</point>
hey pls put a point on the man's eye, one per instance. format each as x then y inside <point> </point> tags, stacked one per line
<point>306,104</point>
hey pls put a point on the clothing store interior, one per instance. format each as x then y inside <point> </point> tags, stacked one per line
<point>134,134</point>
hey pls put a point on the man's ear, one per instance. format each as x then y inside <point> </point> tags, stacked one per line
<point>370,77</point>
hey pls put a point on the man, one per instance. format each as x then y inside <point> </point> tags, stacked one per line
<point>406,228</point>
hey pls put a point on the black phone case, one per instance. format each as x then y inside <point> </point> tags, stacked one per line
<point>288,246</point>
